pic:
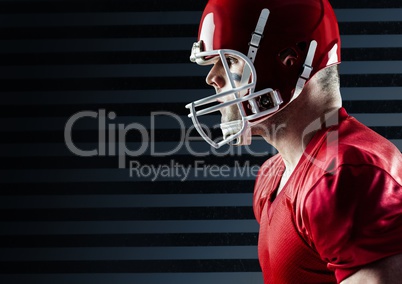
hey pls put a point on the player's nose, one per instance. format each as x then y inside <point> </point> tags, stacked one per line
<point>216,76</point>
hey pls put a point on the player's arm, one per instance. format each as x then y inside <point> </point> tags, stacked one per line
<point>387,270</point>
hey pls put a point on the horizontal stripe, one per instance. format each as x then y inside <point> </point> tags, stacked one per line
<point>379,120</point>
<point>165,96</point>
<point>371,80</point>
<point>103,71</point>
<point>117,57</point>
<point>130,240</point>
<point>162,30</point>
<point>171,165</point>
<point>376,67</point>
<point>164,57</point>
<point>125,201</point>
<point>156,120</point>
<point>175,114</point>
<point>162,44</point>
<point>370,54</point>
<point>166,18</point>
<point>162,70</point>
<point>95,32</point>
<point>127,266</point>
<point>149,143</point>
<point>97,45</point>
<point>371,93</point>
<point>130,278</point>
<point>34,152</point>
<point>137,172</point>
<point>371,41</point>
<point>127,214</point>
<point>131,83</point>
<point>99,6</point>
<point>367,15</point>
<point>154,167</point>
<point>163,83</point>
<point>109,19</point>
<point>60,150</point>
<point>119,175</point>
<point>367,107</point>
<point>128,188</point>
<point>128,227</point>
<point>150,5</point>
<point>158,149</point>
<point>173,160</point>
<point>115,97</point>
<point>44,124</point>
<point>369,28</point>
<point>127,253</point>
<point>143,168</point>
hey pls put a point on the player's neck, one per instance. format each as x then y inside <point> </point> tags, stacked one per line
<point>289,131</point>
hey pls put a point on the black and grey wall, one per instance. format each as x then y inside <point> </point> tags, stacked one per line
<point>102,181</point>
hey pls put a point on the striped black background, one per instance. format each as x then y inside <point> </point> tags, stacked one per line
<point>71,219</point>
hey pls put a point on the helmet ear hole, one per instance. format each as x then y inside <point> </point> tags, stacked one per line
<point>302,45</point>
<point>288,57</point>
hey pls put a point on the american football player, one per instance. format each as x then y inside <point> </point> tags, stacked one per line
<point>329,204</point>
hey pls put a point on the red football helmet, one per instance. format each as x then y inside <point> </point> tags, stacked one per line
<point>261,32</point>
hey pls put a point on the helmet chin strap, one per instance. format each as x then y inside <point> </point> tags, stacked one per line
<point>257,35</point>
<point>307,69</point>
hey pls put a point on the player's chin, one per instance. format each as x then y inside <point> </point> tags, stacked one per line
<point>230,114</point>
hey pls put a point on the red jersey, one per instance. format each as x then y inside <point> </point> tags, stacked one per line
<point>340,209</point>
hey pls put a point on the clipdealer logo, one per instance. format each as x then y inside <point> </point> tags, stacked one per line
<point>112,137</point>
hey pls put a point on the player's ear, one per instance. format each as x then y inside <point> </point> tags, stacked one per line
<point>288,57</point>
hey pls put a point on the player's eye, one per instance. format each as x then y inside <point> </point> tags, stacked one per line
<point>231,61</point>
